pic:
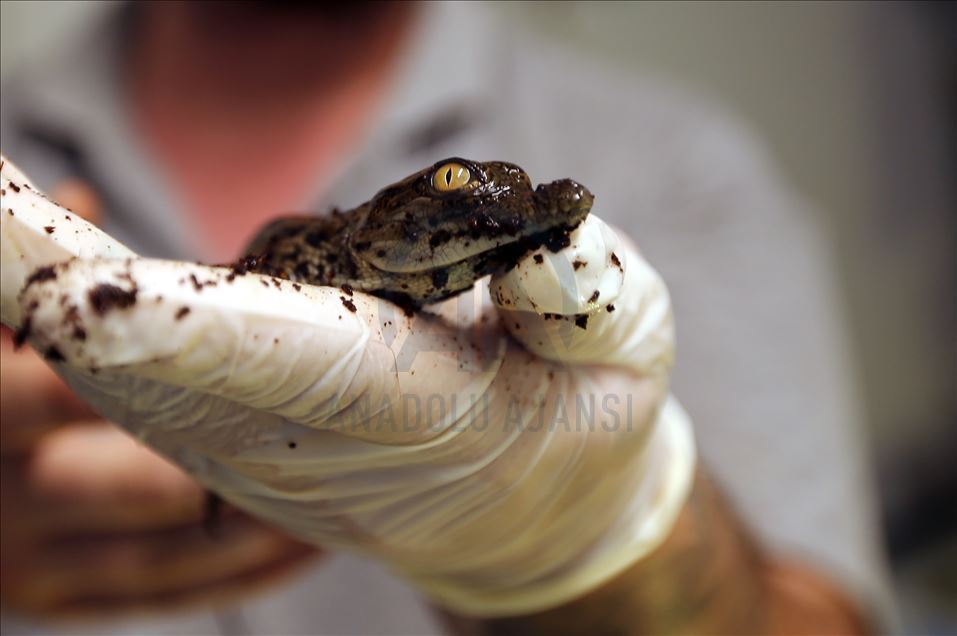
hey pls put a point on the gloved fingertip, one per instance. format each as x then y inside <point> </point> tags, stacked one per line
<point>579,279</point>
<point>596,301</point>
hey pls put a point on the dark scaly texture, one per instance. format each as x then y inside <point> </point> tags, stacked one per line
<point>417,243</point>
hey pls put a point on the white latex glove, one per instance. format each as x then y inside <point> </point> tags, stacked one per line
<point>505,459</point>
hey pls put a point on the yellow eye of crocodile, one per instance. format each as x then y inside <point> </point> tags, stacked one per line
<point>450,176</point>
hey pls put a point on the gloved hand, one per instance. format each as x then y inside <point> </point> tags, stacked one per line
<point>503,456</point>
<point>95,525</point>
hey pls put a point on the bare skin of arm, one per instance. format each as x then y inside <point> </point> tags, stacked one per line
<point>708,577</point>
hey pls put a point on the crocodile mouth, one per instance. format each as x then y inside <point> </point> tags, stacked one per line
<point>496,230</point>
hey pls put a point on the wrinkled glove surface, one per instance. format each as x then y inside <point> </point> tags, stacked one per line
<point>505,451</point>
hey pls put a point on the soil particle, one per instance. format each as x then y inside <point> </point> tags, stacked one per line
<point>72,317</point>
<point>242,267</point>
<point>105,297</point>
<point>581,321</point>
<point>41,274</point>
<point>22,332</point>
<point>198,286</point>
<point>557,240</point>
<point>181,313</point>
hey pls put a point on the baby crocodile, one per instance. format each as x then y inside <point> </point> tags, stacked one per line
<point>427,237</point>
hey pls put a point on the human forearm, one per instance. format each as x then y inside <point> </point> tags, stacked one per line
<point>708,577</point>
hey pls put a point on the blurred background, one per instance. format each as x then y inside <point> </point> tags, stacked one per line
<point>857,101</point>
